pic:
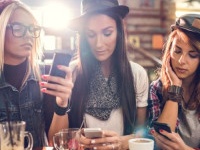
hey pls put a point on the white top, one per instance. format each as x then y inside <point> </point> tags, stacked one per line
<point>189,128</point>
<point>115,122</point>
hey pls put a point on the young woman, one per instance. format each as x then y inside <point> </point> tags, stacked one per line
<point>175,96</point>
<point>21,96</point>
<point>110,91</point>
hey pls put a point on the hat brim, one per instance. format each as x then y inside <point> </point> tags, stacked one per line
<point>77,23</point>
<point>174,27</point>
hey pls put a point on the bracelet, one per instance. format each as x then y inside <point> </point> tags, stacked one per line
<point>174,97</point>
<point>175,89</point>
<point>175,93</point>
<point>61,110</point>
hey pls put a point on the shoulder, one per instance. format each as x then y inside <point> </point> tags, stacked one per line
<point>137,70</point>
<point>156,84</point>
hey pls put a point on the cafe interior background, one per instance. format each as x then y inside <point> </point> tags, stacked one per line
<point>147,27</point>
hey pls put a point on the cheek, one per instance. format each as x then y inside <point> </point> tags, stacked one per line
<point>91,43</point>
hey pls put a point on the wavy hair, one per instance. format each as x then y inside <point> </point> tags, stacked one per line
<point>194,41</point>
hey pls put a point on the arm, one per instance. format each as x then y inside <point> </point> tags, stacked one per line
<point>141,116</point>
<point>169,114</point>
<point>61,89</point>
<point>175,142</point>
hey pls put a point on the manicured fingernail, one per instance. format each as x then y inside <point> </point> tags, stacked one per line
<point>42,83</point>
<point>43,90</point>
<point>44,76</point>
<point>94,147</point>
<point>59,66</point>
<point>161,130</point>
<point>152,131</point>
<point>92,141</point>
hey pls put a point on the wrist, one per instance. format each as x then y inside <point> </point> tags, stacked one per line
<point>61,110</point>
<point>175,93</point>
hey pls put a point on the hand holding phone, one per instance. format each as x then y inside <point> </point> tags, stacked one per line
<point>161,126</point>
<point>59,59</point>
<point>93,132</point>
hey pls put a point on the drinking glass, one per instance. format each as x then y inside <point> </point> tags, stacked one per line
<point>12,136</point>
<point>66,139</point>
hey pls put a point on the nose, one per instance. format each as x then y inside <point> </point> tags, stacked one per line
<point>182,59</point>
<point>28,33</point>
<point>99,41</point>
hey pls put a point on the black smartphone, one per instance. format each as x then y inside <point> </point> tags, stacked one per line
<point>93,133</point>
<point>161,126</point>
<point>59,59</point>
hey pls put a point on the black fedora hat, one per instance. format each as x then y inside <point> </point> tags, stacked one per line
<point>189,22</point>
<point>89,7</point>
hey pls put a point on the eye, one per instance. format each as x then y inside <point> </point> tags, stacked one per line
<point>107,33</point>
<point>18,28</point>
<point>90,34</point>
<point>194,54</point>
<point>177,51</point>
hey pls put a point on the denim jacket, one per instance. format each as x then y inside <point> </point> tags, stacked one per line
<point>26,105</point>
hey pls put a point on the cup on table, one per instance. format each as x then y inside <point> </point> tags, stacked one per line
<point>67,139</point>
<point>141,144</point>
<point>12,136</point>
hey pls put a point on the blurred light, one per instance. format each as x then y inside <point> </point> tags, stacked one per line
<point>49,42</point>
<point>56,16</point>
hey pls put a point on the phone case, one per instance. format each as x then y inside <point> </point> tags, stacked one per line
<point>59,59</point>
<point>158,126</point>
<point>93,133</point>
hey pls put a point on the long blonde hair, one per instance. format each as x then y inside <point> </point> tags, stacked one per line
<point>35,53</point>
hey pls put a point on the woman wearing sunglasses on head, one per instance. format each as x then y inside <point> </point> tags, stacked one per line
<point>175,96</point>
<point>21,97</point>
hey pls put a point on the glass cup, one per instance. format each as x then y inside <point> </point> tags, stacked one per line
<point>141,144</point>
<point>12,136</point>
<point>66,139</point>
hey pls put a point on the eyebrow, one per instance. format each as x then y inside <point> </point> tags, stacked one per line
<point>106,28</point>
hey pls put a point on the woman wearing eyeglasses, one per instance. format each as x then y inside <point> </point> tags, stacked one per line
<point>21,97</point>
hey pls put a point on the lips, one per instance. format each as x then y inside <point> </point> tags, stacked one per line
<point>181,70</point>
<point>27,45</point>
<point>100,52</point>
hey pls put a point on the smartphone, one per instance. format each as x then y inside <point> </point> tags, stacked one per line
<point>59,59</point>
<point>93,132</point>
<point>161,126</point>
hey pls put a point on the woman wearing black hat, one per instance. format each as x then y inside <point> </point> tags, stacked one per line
<point>175,96</point>
<point>109,92</point>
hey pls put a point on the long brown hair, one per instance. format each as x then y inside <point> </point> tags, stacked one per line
<point>194,41</point>
<point>124,73</point>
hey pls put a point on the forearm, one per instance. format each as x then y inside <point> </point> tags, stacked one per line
<point>169,114</point>
<point>58,123</point>
<point>125,140</point>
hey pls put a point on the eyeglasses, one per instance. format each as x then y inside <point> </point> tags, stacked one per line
<point>19,30</point>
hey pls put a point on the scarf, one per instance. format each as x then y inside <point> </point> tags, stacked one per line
<point>103,95</point>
